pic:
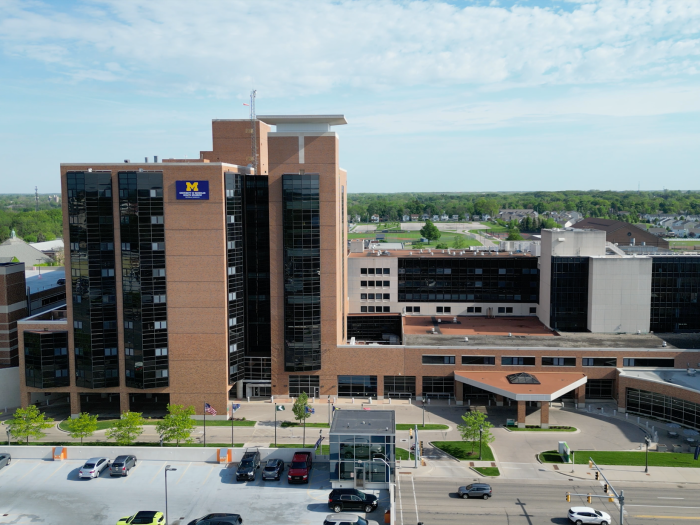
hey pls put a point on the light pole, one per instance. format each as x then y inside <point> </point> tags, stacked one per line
<point>646,457</point>
<point>329,410</point>
<point>168,468</point>
<point>275,425</point>
<point>423,409</point>
<point>9,436</point>
<point>481,435</point>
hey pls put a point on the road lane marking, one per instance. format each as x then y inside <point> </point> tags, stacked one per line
<point>157,473</point>
<point>183,473</point>
<point>398,481</point>
<point>210,471</point>
<point>669,517</point>
<point>59,468</point>
<point>415,500</point>
<point>662,506</point>
<point>30,471</point>
<point>662,497</point>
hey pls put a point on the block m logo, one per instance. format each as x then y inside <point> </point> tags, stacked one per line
<point>192,186</point>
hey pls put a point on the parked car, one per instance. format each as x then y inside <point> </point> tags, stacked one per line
<point>351,499</point>
<point>93,468</point>
<point>299,468</point>
<point>218,518</point>
<point>248,466</point>
<point>5,460</point>
<point>581,515</point>
<point>346,517</point>
<point>144,517</point>
<point>475,490</point>
<point>273,469</point>
<point>60,281</point>
<point>122,465</point>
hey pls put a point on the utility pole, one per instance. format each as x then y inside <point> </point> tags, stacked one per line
<point>36,198</point>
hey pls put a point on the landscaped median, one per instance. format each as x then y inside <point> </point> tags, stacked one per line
<point>488,471</point>
<point>637,459</point>
<point>465,450</point>
<point>109,423</point>
<point>537,428</point>
<point>427,426</point>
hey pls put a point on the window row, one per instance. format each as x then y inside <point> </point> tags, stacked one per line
<point>371,271</point>
<point>371,284</point>
<point>372,297</point>
<point>375,309</point>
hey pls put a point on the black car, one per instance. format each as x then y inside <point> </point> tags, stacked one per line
<point>5,460</point>
<point>341,500</point>
<point>122,465</point>
<point>218,518</point>
<point>60,281</point>
<point>273,469</point>
<point>475,490</point>
<point>248,466</point>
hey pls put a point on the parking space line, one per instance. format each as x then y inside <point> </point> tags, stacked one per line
<point>209,474</point>
<point>59,468</point>
<point>157,473</point>
<point>415,500</point>
<point>30,471</point>
<point>183,473</point>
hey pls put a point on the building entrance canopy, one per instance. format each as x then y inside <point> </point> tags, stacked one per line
<point>533,386</point>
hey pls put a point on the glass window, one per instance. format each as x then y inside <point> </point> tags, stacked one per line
<point>439,386</point>
<point>521,361</point>
<point>357,386</point>
<point>599,361</point>
<point>438,359</point>
<point>655,362</point>
<point>558,361</point>
<point>308,384</point>
<point>478,360</point>
<point>399,386</point>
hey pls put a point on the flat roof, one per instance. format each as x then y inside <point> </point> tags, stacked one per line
<point>370,421</point>
<point>471,325</point>
<point>331,120</point>
<point>551,384</point>
<point>48,278</point>
<point>453,254</point>
<point>676,377</point>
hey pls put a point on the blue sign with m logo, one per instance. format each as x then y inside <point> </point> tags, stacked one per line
<point>192,189</point>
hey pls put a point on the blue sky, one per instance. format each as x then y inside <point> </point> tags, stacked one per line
<point>439,95</point>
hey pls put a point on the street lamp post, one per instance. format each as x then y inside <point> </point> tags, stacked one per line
<point>646,457</point>
<point>275,425</point>
<point>481,435</point>
<point>423,409</point>
<point>168,468</point>
<point>329,410</point>
<point>9,436</point>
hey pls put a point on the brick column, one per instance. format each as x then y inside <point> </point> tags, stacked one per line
<point>581,396</point>
<point>499,400</point>
<point>380,387</point>
<point>123,402</point>
<point>544,414</point>
<point>521,414</point>
<point>459,392</point>
<point>74,404</point>
<point>419,387</point>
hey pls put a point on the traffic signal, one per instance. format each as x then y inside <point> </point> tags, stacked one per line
<point>421,448</point>
<point>590,464</point>
<point>611,499</point>
<point>589,499</point>
<point>568,497</point>
<point>410,431</point>
<point>597,476</point>
<point>605,488</point>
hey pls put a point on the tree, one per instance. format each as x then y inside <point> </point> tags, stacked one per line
<point>83,426</point>
<point>430,231</point>
<point>28,422</point>
<point>459,243</point>
<point>299,407</point>
<point>514,235</point>
<point>470,429</point>
<point>177,425</point>
<point>441,246</point>
<point>126,429</point>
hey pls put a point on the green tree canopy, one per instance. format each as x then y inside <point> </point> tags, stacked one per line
<point>473,421</point>
<point>177,425</point>
<point>299,407</point>
<point>83,426</point>
<point>430,231</point>
<point>28,423</point>
<point>127,429</point>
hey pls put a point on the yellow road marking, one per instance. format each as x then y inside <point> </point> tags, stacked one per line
<point>27,474</point>
<point>59,468</point>
<point>669,517</point>
<point>205,479</point>
<point>183,473</point>
<point>157,473</point>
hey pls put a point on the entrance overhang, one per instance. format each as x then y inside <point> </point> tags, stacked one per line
<point>551,384</point>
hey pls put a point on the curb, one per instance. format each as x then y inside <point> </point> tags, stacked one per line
<point>448,455</point>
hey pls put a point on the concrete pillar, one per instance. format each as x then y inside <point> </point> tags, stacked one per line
<point>419,388</point>
<point>521,414</point>
<point>124,402</point>
<point>239,389</point>
<point>581,395</point>
<point>74,404</point>
<point>26,399</point>
<point>544,414</point>
<point>499,400</point>
<point>459,393</point>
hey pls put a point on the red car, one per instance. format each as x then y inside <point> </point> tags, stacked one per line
<point>300,468</point>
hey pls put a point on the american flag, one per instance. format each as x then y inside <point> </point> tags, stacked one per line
<point>209,409</point>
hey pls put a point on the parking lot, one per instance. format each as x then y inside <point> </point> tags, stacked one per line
<point>38,491</point>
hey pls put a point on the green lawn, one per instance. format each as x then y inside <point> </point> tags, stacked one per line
<point>324,451</point>
<point>287,424</point>
<point>403,454</point>
<point>112,444</point>
<point>685,241</point>
<point>535,428</point>
<point>429,426</point>
<point>656,459</point>
<point>462,450</point>
<point>109,423</point>
<point>488,471</point>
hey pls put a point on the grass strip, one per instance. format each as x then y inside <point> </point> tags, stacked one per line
<point>488,471</point>
<point>429,426</point>
<point>403,454</point>
<point>111,444</point>
<point>627,458</point>
<point>535,428</point>
<point>462,450</point>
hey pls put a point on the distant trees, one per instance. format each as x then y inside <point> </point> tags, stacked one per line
<point>31,226</point>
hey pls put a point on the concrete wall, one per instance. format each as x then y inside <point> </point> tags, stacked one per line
<point>619,294</point>
<point>202,454</point>
<point>9,388</point>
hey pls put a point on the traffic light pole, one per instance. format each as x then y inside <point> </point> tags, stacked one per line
<point>415,449</point>
<point>620,497</point>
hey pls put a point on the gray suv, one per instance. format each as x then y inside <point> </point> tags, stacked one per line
<point>475,490</point>
<point>122,465</point>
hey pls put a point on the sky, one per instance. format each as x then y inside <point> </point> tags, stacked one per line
<point>444,96</point>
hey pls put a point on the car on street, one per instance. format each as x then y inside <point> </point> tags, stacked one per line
<point>300,468</point>
<point>144,517</point>
<point>273,469</point>
<point>247,468</point>
<point>93,467</point>
<point>218,518</point>
<point>345,518</point>
<point>122,465</point>
<point>340,500</point>
<point>5,460</point>
<point>581,515</point>
<point>475,490</point>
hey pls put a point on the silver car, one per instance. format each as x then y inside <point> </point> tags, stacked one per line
<point>347,518</point>
<point>93,468</point>
<point>5,460</point>
<point>581,515</point>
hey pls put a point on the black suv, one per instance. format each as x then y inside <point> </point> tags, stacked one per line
<point>122,465</point>
<point>248,466</point>
<point>340,500</point>
<point>273,469</point>
<point>475,490</point>
<point>218,518</point>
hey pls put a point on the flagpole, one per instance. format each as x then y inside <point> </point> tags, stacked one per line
<point>205,423</point>
<point>232,445</point>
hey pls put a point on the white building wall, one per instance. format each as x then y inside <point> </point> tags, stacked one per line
<point>619,294</point>
<point>355,264</point>
<point>9,388</point>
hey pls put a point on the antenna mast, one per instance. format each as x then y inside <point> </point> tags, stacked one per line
<point>36,198</point>
<point>254,134</point>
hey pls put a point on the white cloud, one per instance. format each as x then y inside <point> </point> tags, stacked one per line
<point>301,47</point>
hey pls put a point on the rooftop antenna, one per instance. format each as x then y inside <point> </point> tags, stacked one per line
<point>254,134</point>
<point>36,198</point>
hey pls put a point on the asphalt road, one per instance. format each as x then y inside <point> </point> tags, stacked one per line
<point>433,501</point>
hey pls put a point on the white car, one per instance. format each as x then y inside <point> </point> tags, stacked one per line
<point>93,468</point>
<point>581,515</point>
<point>345,518</point>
